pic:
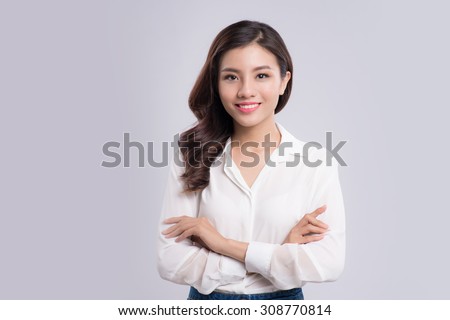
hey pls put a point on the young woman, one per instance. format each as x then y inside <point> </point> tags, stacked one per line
<point>240,212</point>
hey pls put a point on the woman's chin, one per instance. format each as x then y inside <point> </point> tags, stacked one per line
<point>250,122</point>
<point>246,123</point>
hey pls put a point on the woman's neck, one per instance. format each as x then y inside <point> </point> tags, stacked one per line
<point>259,134</point>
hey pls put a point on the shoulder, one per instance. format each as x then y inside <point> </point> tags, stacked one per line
<point>310,155</point>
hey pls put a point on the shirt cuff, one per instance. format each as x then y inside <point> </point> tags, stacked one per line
<point>223,269</point>
<point>258,257</point>
<point>232,267</point>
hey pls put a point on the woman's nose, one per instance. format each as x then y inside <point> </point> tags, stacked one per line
<point>246,90</point>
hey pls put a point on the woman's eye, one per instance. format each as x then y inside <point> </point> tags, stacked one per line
<point>230,77</point>
<point>262,76</point>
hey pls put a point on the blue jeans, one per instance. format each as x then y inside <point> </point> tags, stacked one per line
<point>293,294</point>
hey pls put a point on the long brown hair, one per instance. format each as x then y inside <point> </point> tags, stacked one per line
<point>201,144</point>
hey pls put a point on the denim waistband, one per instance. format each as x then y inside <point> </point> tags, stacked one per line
<point>292,294</point>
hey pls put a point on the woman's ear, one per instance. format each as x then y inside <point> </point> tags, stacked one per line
<point>284,82</point>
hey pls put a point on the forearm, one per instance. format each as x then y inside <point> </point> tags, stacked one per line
<point>203,269</point>
<point>233,249</point>
<point>292,264</point>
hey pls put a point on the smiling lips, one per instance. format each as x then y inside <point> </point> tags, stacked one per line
<point>247,106</point>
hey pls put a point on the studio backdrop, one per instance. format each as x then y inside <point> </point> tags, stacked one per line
<point>76,75</point>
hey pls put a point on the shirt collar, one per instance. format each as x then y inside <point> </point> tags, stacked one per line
<point>289,146</point>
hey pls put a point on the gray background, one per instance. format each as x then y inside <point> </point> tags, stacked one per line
<point>76,74</point>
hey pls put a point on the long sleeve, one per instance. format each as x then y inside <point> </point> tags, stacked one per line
<point>183,262</point>
<point>289,265</point>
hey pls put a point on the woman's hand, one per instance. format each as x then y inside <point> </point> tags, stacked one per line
<point>199,242</point>
<point>308,229</point>
<point>199,229</point>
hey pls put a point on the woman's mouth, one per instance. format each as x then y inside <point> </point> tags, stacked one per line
<point>247,107</point>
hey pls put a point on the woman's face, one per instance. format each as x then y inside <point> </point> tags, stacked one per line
<point>250,84</point>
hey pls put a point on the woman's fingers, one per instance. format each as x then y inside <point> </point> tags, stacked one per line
<point>181,224</point>
<point>316,222</point>
<point>174,219</point>
<point>314,229</point>
<point>311,218</point>
<point>308,239</point>
<point>174,233</point>
<point>184,235</point>
<point>199,230</point>
<point>182,231</point>
<point>169,230</point>
<point>185,227</point>
<point>309,228</point>
<point>319,210</point>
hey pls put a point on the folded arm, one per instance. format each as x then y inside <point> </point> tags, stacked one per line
<point>289,264</point>
<point>183,262</point>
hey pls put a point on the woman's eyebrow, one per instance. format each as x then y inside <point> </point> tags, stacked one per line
<point>237,71</point>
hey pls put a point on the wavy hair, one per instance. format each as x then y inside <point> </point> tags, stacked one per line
<point>201,144</point>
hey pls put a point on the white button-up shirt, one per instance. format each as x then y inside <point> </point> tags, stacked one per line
<point>284,191</point>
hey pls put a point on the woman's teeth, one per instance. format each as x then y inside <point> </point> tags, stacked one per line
<point>248,106</point>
